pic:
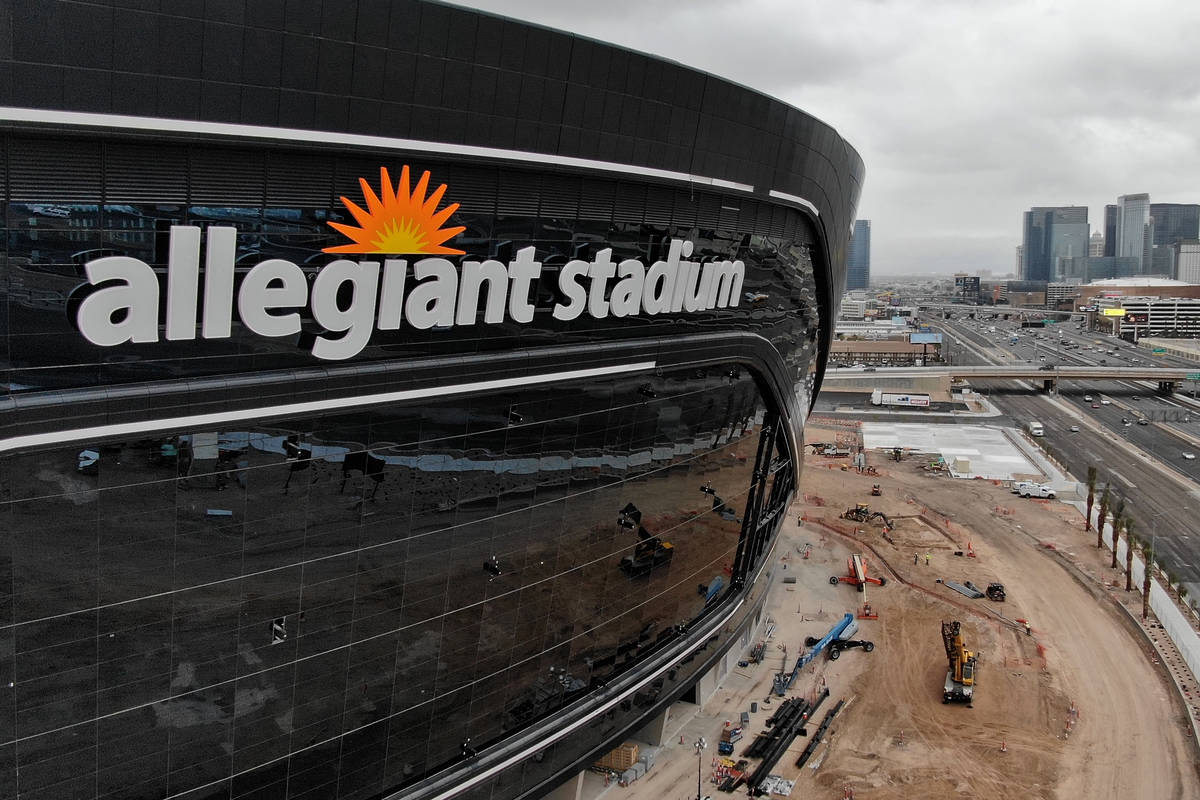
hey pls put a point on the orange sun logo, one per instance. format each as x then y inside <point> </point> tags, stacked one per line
<point>398,222</point>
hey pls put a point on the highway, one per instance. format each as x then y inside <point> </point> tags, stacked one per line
<point>1143,463</point>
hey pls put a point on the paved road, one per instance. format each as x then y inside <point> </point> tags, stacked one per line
<point>1162,490</point>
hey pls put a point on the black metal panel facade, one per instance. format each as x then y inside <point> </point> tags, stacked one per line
<point>230,569</point>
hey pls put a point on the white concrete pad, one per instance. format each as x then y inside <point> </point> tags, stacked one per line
<point>989,450</point>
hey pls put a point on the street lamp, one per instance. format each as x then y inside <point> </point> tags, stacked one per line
<point>700,745</point>
<point>1154,534</point>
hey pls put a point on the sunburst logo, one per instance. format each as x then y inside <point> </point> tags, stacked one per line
<point>397,221</point>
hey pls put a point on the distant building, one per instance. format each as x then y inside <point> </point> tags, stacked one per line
<point>1111,213</point>
<point>1096,244</point>
<point>1020,260</point>
<point>1187,261</point>
<point>1172,317</point>
<point>1170,223</point>
<point>1052,233</point>
<point>1094,268</point>
<point>858,262</point>
<point>1133,229</point>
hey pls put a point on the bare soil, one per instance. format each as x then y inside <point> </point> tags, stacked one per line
<point>1078,707</point>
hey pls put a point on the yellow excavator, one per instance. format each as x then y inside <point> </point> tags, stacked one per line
<point>960,678</point>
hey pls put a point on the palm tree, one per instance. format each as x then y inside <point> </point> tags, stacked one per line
<point>1091,483</point>
<point>1104,497</point>
<point>1128,555</point>
<point>1146,555</point>
<point>1118,523</point>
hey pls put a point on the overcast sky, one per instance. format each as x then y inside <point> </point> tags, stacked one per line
<point>967,112</point>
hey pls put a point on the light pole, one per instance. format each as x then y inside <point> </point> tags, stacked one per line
<point>700,745</point>
<point>1154,535</point>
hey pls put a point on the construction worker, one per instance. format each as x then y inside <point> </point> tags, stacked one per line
<point>914,559</point>
<point>927,559</point>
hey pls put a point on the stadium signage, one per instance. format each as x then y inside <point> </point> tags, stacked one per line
<point>348,299</point>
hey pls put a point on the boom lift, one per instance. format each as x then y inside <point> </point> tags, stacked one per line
<point>856,573</point>
<point>960,678</point>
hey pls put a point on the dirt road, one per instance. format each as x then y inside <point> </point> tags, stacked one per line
<point>1077,708</point>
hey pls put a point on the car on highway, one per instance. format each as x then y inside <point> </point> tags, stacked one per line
<point>1189,456</point>
<point>1095,405</point>
<point>1087,398</point>
<point>1104,401</point>
<point>1074,429</point>
<point>1143,421</point>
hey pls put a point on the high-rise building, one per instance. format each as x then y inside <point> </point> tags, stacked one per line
<point>1171,223</point>
<point>336,462</point>
<point>1096,244</point>
<point>1052,233</point>
<point>1111,213</point>
<point>1020,261</point>
<point>858,259</point>
<point>1133,228</point>
<point>1187,261</point>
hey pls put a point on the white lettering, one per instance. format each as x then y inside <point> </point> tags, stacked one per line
<point>183,280</point>
<point>218,282</point>
<point>522,273</point>
<point>626,297</point>
<point>568,284</point>
<point>272,284</point>
<point>127,312</point>
<point>660,281</point>
<point>124,303</point>
<point>474,275</point>
<point>601,270</point>
<point>432,302</point>
<point>391,296</point>
<point>725,287</point>
<point>356,319</point>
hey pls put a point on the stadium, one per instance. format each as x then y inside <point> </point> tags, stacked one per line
<point>399,402</point>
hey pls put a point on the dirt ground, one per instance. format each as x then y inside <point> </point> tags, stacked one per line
<point>1082,707</point>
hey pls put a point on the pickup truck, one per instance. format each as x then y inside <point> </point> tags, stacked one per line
<point>1032,489</point>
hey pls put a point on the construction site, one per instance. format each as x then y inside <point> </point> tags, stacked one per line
<point>933,636</point>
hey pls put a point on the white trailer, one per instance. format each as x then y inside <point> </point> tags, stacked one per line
<point>882,398</point>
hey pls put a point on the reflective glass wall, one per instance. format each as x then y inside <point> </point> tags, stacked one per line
<point>345,603</point>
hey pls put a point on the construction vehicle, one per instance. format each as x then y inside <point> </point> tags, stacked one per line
<point>995,591</point>
<point>960,677</point>
<point>856,569</point>
<point>784,680</point>
<point>1032,489</point>
<point>862,513</point>
<point>842,642</point>
<point>649,553</point>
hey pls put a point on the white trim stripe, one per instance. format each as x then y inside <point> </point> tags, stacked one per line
<point>793,198</point>
<point>161,125</point>
<point>236,415</point>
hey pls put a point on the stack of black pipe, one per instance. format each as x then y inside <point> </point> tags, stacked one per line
<point>816,739</point>
<point>785,724</point>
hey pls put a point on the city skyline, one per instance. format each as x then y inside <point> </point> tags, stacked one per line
<point>950,106</point>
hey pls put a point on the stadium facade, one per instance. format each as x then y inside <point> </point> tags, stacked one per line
<point>397,400</point>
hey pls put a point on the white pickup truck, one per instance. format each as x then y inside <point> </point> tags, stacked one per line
<point>1032,489</point>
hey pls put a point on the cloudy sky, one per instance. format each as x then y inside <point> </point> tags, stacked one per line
<point>967,112</point>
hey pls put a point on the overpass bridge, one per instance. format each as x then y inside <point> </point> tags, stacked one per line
<point>1001,312</point>
<point>1167,378</point>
